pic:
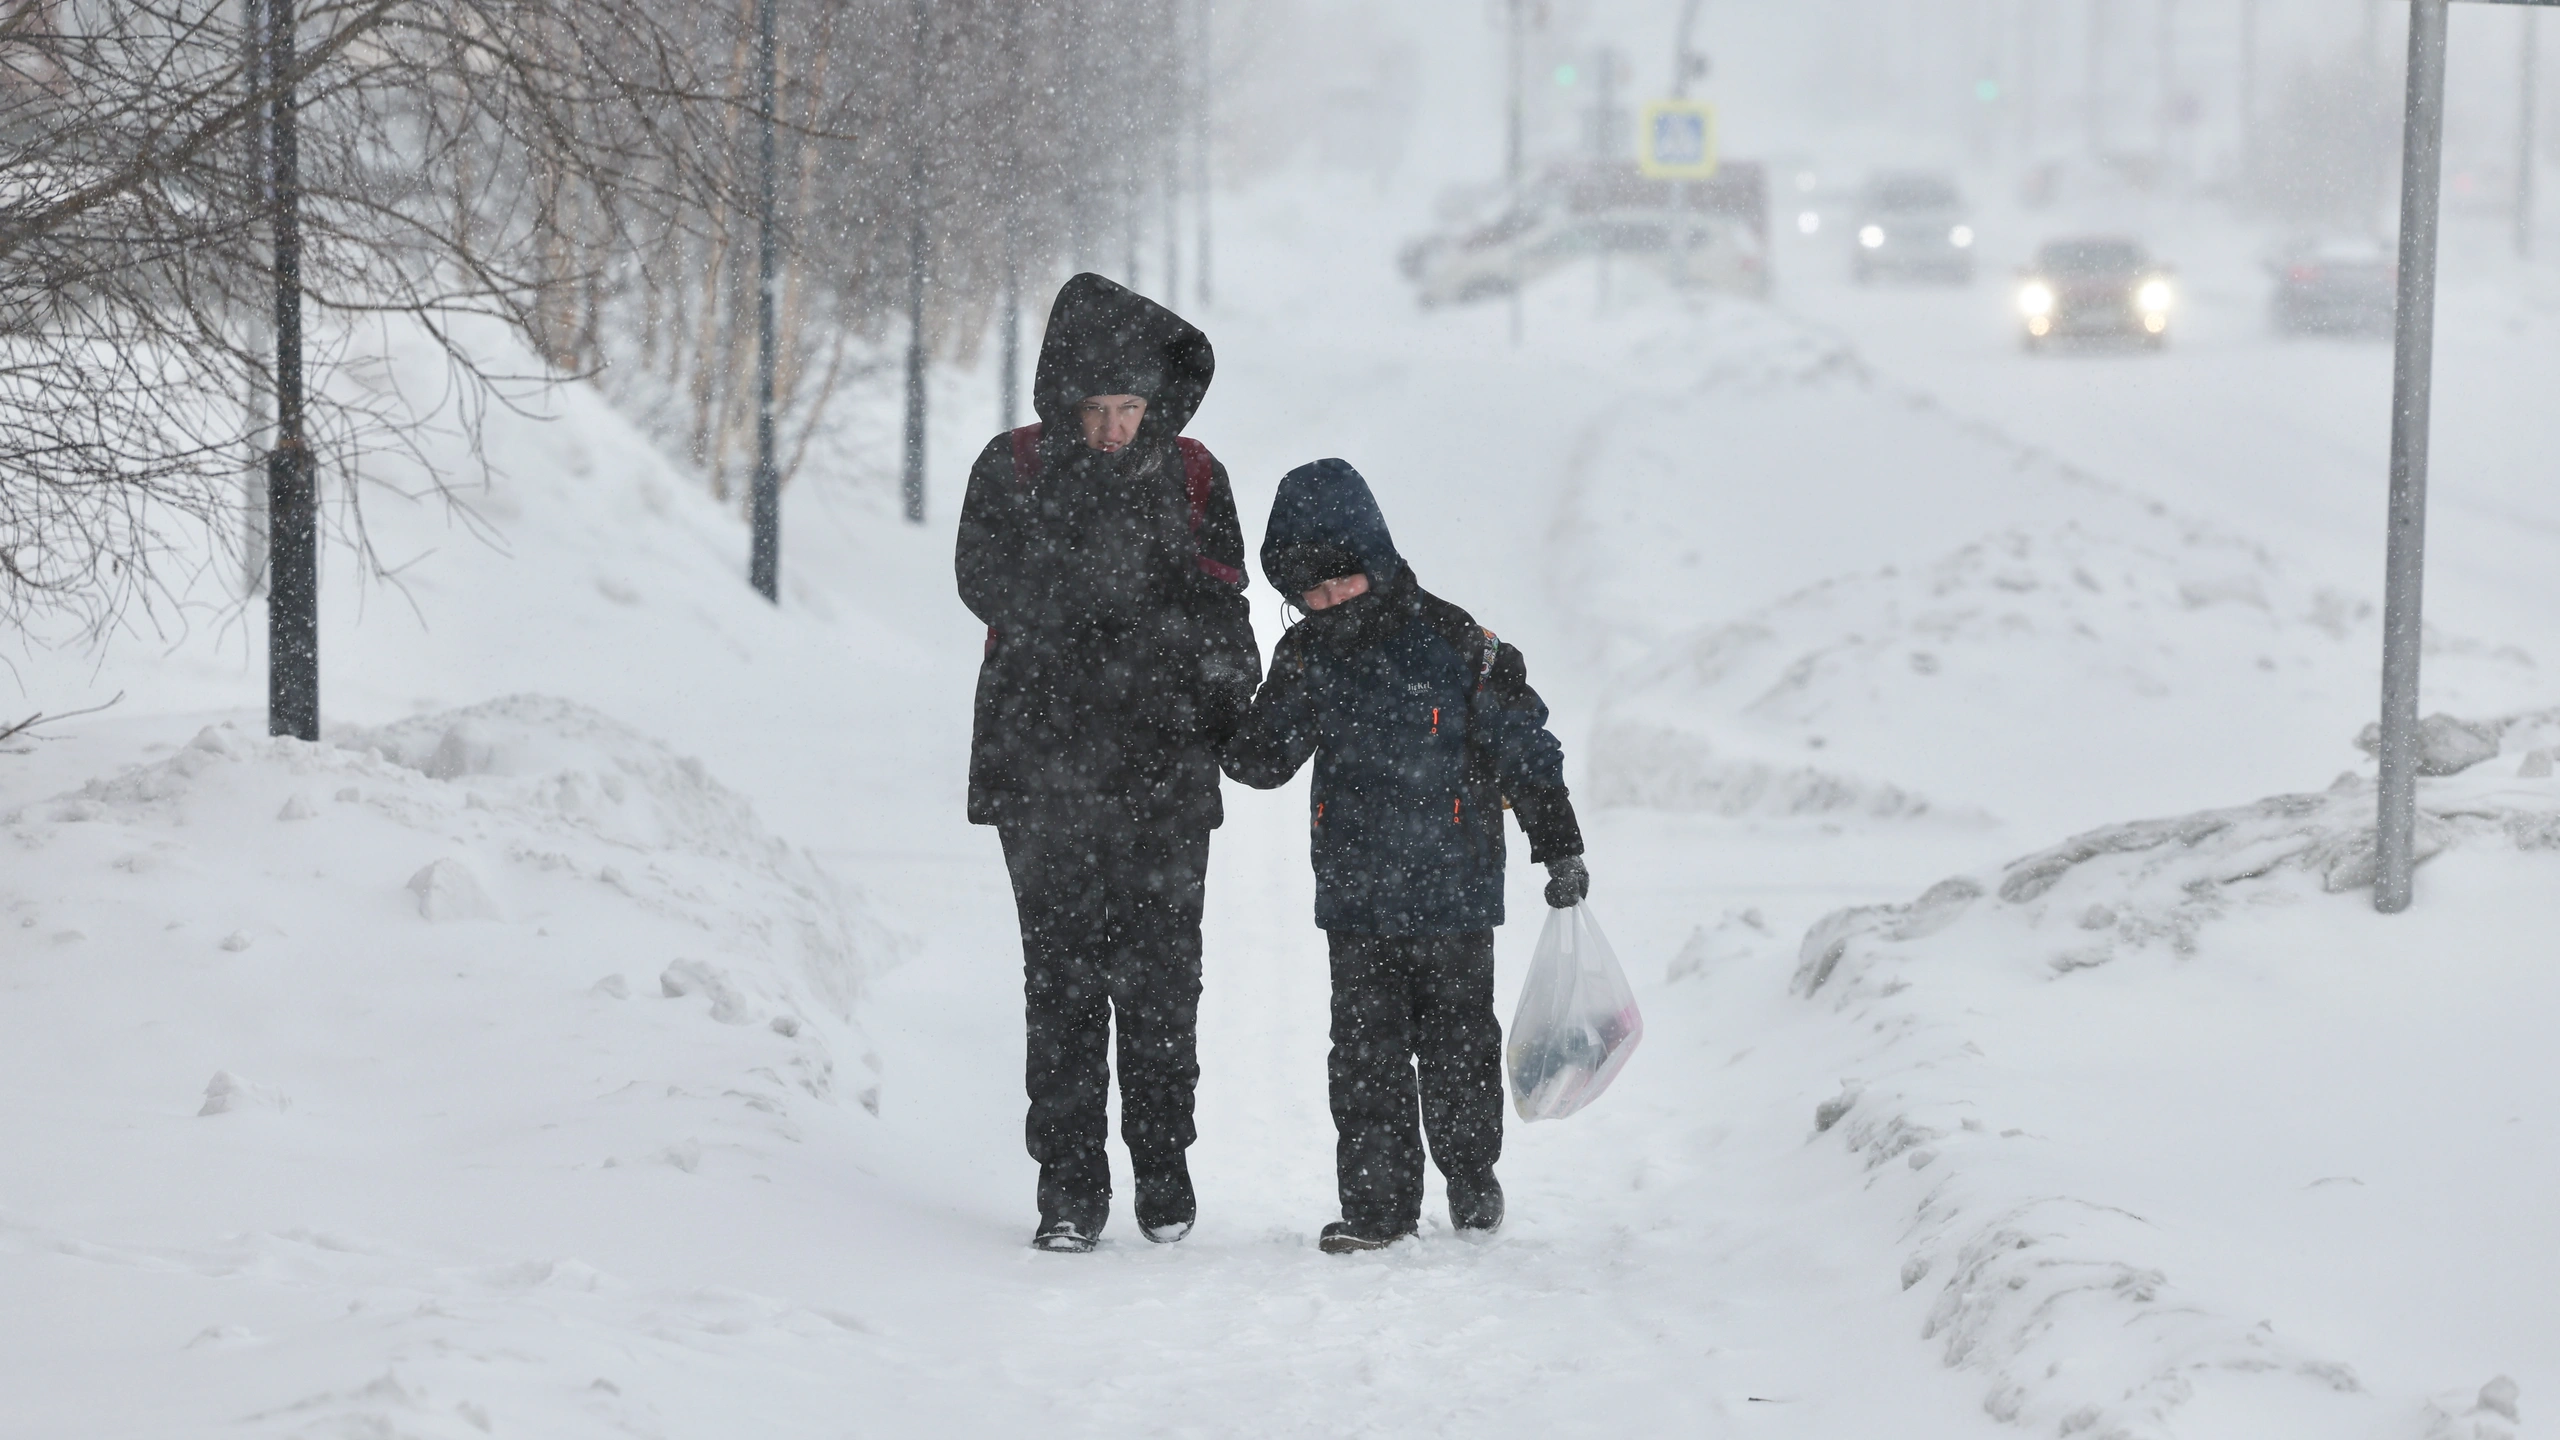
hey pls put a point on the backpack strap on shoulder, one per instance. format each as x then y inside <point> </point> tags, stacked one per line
<point>1026,458</point>
<point>1199,478</point>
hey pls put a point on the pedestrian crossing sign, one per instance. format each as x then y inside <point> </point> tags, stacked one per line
<point>1679,140</point>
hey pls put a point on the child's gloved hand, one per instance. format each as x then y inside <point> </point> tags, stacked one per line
<point>1568,881</point>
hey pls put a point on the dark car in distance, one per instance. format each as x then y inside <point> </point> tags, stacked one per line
<point>2342,285</point>
<point>2095,285</point>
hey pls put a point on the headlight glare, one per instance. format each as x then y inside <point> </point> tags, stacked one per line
<point>2153,297</point>
<point>2035,298</point>
<point>1871,236</point>
<point>1961,236</point>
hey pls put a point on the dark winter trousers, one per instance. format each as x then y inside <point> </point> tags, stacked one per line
<point>1110,914</point>
<point>1402,1002</point>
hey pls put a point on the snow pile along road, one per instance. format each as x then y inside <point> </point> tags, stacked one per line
<point>426,1024</point>
<point>2185,1133</point>
<point>2047,678</point>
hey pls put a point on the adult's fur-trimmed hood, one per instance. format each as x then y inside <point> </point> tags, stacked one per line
<point>1106,339</point>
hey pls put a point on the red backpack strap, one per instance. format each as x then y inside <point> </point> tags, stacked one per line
<point>1026,457</point>
<point>1199,477</point>
<point>1026,468</point>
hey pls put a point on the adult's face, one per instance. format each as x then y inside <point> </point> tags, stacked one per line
<point>1333,592</point>
<point>1110,421</point>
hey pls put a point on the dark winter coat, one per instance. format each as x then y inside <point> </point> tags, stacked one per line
<point>1417,739</point>
<point>1120,648</point>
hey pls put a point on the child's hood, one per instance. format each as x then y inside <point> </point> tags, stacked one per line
<point>1323,513</point>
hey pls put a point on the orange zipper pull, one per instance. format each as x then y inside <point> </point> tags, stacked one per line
<point>1435,719</point>
<point>1455,804</point>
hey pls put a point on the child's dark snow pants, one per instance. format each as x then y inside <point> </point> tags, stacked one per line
<point>1402,1003</point>
<point>1110,915</point>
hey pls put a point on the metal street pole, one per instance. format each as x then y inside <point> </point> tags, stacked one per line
<point>293,518</point>
<point>911,484</point>
<point>259,404</point>
<point>2526,106</point>
<point>764,563</point>
<point>2413,359</point>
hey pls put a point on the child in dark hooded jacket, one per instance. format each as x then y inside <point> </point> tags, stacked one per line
<point>1423,728</point>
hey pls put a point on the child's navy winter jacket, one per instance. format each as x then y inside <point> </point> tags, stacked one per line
<point>1422,725</point>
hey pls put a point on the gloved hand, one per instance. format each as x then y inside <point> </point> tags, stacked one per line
<point>1568,881</point>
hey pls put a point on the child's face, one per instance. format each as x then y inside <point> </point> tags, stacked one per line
<point>1336,590</point>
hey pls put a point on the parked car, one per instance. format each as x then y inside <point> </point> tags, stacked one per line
<point>2099,285</point>
<point>1914,225</point>
<point>1709,233</point>
<point>2340,285</point>
<point>1689,250</point>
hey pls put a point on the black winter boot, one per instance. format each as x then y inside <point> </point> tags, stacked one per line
<point>1346,1237</point>
<point>1475,1204</point>
<point>1166,1205</point>
<point>1075,1203</point>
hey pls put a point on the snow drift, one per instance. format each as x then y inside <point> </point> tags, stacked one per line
<point>2130,1088</point>
<point>2044,677</point>
<point>381,1011</point>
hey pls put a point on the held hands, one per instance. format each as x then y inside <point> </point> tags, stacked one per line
<point>1568,881</point>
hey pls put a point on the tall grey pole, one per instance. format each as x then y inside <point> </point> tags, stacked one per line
<point>260,403</point>
<point>764,562</point>
<point>2421,167</point>
<point>911,483</point>
<point>1685,65</point>
<point>2526,106</point>
<point>293,517</point>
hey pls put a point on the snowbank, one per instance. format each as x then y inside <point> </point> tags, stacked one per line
<point>413,1016</point>
<point>2183,1133</point>
<point>2044,677</point>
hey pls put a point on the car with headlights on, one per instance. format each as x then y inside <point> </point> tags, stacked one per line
<point>2096,285</point>
<point>1912,225</point>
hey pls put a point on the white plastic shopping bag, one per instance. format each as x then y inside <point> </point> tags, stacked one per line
<point>1577,1021</point>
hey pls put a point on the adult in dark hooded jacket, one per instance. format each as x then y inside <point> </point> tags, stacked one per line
<point>1119,656</point>
<point>1423,727</point>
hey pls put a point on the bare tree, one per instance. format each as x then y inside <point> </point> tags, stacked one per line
<point>578,169</point>
<point>458,157</point>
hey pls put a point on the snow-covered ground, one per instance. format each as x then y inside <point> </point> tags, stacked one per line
<point>613,1028</point>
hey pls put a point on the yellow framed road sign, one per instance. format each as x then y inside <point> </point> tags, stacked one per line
<point>1677,140</point>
